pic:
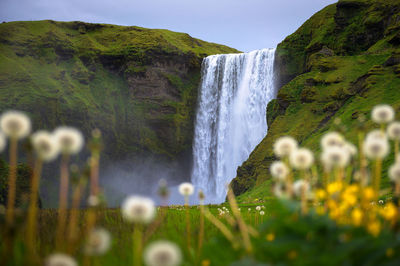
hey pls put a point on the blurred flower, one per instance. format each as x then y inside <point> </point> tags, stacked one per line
<point>350,148</point>
<point>356,217</point>
<point>301,159</point>
<point>93,201</point>
<point>162,253</point>
<point>394,173</point>
<point>382,114</point>
<point>138,209</point>
<point>69,139</point>
<point>186,189</point>
<point>59,259</point>
<point>279,170</point>
<point>376,134</point>
<point>98,242</point>
<point>332,139</point>
<point>201,196</point>
<point>45,145</point>
<point>393,131</point>
<point>301,186</point>
<point>258,208</point>
<point>335,156</point>
<point>262,213</point>
<point>284,146</point>
<point>15,124</point>
<point>376,148</point>
<point>3,142</point>
<point>163,191</point>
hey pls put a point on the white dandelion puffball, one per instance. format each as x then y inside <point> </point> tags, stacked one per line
<point>301,159</point>
<point>279,171</point>
<point>15,124</point>
<point>59,259</point>
<point>138,209</point>
<point>45,145</point>
<point>186,189</point>
<point>332,139</point>
<point>376,148</point>
<point>335,156</point>
<point>262,213</point>
<point>279,191</point>
<point>393,131</point>
<point>98,242</point>
<point>69,139</point>
<point>162,253</point>
<point>301,186</point>
<point>258,208</point>
<point>351,148</point>
<point>284,146</point>
<point>3,142</point>
<point>376,134</point>
<point>382,114</point>
<point>93,201</point>
<point>394,173</point>
<point>249,209</point>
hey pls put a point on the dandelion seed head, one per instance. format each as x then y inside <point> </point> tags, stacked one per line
<point>162,253</point>
<point>376,148</point>
<point>382,114</point>
<point>59,259</point>
<point>186,189</point>
<point>376,134</point>
<point>45,145</point>
<point>262,213</point>
<point>258,208</point>
<point>332,139</point>
<point>138,209</point>
<point>284,146</point>
<point>279,171</point>
<point>301,186</point>
<point>279,191</point>
<point>301,159</point>
<point>98,242</point>
<point>15,124</point>
<point>393,131</point>
<point>351,148</point>
<point>93,201</point>
<point>335,156</point>
<point>69,139</point>
<point>394,173</point>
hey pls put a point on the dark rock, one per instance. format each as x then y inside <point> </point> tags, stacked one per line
<point>393,60</point>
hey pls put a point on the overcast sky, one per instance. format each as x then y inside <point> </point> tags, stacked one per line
<point>242,24</point>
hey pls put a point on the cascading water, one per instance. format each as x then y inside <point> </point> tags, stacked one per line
<point>231,116</point>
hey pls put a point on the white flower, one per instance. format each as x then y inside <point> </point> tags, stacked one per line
<point>249,209</point>
<point>376,134</point>
<point>3,142</point>
<point>301,186</point>
<point>332,139</point>
<point>93,201</point>
<point>162,253</point>
<point>376,148</point>
<point>69,139</point>
<point>279,170</point>
<point>186,189</point>
<point>45,145</point>
<point>382,114</point>
<point>279,191</point>
<point>98,242</point>
<point>258,208</point>
<point>335,156</point>
<point>59,259</point>
<point>394,173</point>
<point>15,124</point>
<point>138,209</point>
<point>284,146</point>
<point>301,159</point>
<point>262,213</point>
<point>351,148</point>
<point>393,131</point>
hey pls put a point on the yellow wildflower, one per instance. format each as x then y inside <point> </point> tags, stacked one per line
<point>389,212</point>
<point>334,187</point>
<point>321,194</point>
<point>356,216</point>
<point>369,194</point>
<point>374,228</point>
<point>349,198</point>
<point>270,237</point>
<point>389,252</point>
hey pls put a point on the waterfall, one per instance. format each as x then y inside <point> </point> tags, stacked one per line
<point>231,116</point>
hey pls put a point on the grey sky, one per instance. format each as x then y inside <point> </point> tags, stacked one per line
<point>243,24</point>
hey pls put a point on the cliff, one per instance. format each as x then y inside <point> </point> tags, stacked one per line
<point>339,64</point>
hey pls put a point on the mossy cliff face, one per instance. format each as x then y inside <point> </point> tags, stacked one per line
<point>339,64</point>
<point>137,85</point>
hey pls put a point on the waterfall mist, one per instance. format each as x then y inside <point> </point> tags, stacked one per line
<point>231,116</point>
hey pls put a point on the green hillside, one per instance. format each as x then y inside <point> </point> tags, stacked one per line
<point>137,85</point>
<point>339,64</point>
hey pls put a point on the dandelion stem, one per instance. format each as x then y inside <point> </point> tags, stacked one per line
<point>187,222</point>
<point>33,207</point>
<point>12,179</point>
<point>63,202</point>
<point>221,226</point>
<point>396,150</point>
<point>201,231</point>
<point>73,219</point>
<point>377,179</point>
<point>137,245</point>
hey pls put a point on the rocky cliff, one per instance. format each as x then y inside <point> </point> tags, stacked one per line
<point>339,64</point>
